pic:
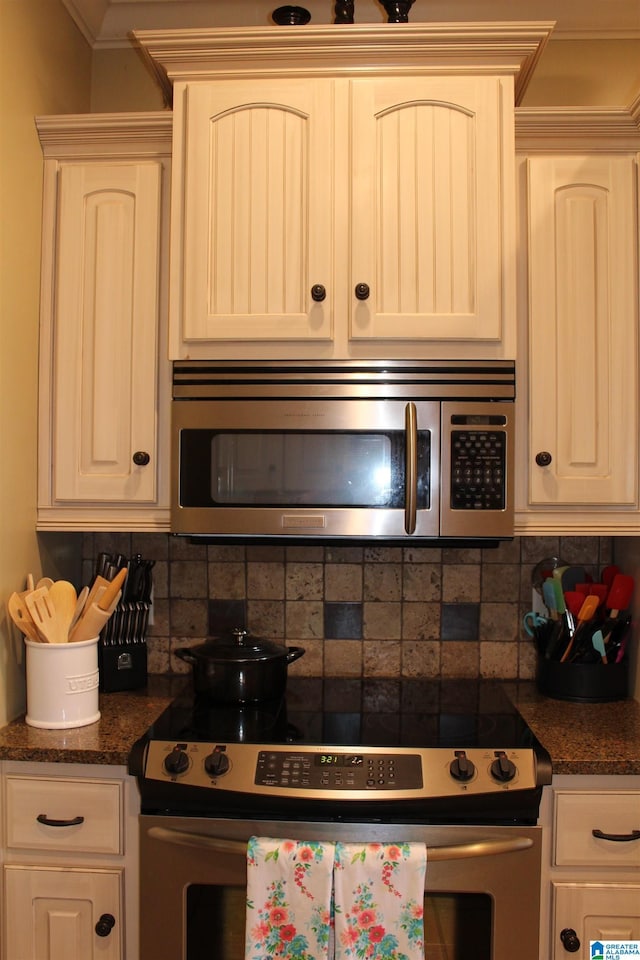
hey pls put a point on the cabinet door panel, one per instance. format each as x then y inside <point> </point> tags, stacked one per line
<point>428,207</point>
<point>257,214</point>
<point>582,323</point>
<point>596,911</point>
<point>105,332</point>
<point>51,913</point>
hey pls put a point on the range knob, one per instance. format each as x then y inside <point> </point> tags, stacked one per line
<point>502,768</point>
<point>176,762</point>
<point>216,764</point>
<point>461,768</point>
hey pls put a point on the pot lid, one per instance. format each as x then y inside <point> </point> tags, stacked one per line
<point>240,646</point>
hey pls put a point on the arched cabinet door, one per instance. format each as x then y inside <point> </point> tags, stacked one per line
<point>252,235</point>
<point>428,209</point>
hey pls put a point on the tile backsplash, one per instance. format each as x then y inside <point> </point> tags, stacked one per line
<point>374,611</point>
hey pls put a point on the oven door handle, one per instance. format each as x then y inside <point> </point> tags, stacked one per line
<point>410,468</point>
<point>454,851</point>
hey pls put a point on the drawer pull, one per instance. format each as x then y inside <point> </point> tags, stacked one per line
<point>74,822</point>
<point>616,837</point>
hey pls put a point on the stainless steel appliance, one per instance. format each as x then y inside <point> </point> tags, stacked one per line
<point>394,450</point>
<point>451,764</point>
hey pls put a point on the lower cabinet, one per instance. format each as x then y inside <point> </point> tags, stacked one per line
<point>57,913</point>
<point>594,911</point>
<point>591,878</point>
<point>70,862</point>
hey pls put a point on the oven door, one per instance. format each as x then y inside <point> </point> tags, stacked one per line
<point>306,468</point>
<point>482,885</point>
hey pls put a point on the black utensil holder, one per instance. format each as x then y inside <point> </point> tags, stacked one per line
<point>583,682</point>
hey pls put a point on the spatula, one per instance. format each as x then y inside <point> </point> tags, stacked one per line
<point>620,594</point>
<point>587,610</point>
<point>43,614</point>
<point>609,573</point>
<point>22,618</point>
<point>597,641</point>
<point>619,597</point>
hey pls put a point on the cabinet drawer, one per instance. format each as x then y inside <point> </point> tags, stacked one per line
<point>80,815</point>
<point>578,814</point>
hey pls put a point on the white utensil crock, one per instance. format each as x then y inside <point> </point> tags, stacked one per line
<point>62,684</point>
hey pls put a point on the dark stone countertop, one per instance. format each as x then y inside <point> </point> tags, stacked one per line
<point>582,738</point>
<point>124,717</point>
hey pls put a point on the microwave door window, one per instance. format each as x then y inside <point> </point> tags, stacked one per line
<point>299,468</point>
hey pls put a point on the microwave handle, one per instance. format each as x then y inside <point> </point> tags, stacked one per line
<point>411,468</point>
<point>455,851</point>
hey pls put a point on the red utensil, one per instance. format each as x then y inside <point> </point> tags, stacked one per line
<point>619,597</point>
<point>598,590</point>
<point>573,600</point>
<point>608,574</point>
<point>620,594</point>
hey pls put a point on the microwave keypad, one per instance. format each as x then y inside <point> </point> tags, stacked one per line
<point>478,469</point>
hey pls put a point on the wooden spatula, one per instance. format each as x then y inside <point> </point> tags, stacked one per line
<point>22,618</point>
<point>43,614</point>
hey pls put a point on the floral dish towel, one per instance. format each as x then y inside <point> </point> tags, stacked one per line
<point>378,900</point>
<point>288,899</point>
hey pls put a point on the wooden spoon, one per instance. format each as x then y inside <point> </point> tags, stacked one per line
<point>63,597</point>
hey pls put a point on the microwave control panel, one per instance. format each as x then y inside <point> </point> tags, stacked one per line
<point>478,469</point>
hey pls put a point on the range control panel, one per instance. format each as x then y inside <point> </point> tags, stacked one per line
<point>340,772</point>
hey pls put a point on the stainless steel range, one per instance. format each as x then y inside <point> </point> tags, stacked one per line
<point>449,763</point>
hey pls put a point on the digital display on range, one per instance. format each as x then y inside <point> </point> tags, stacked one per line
<point>338,760</point>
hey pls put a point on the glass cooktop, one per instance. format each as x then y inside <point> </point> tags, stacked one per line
<point>343,712</point>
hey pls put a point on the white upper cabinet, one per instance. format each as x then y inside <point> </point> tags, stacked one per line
<point>579,324</point>
<point>104,372</point>
<point>256,211</point>
<point>428,224</point>
<point>345,191</point>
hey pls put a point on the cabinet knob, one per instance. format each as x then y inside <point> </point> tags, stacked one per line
<point>289,16</point>
<point>544,458</point>
<point>105,924</point>
<point>362,291</point>
<point>141,458</point>
<point>570,940</point>
<point>318,292</point>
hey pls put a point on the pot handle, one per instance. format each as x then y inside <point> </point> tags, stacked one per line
<point>293,653</point>
<point>184,653</point>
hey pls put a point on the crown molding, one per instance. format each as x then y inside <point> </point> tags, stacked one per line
<point>345,50</point>
<point>108,134</point>
<point>543,129</point>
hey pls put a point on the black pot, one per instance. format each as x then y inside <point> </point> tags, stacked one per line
<point>241,668</point>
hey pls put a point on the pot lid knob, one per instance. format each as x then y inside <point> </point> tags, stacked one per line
<point>239,635</point>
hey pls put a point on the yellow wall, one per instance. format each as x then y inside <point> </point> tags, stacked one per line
<point>45,67</point>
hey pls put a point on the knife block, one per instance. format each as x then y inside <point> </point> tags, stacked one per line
<point>122,650</point>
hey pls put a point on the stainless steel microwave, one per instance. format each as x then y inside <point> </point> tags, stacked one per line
<point>389,450</point>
